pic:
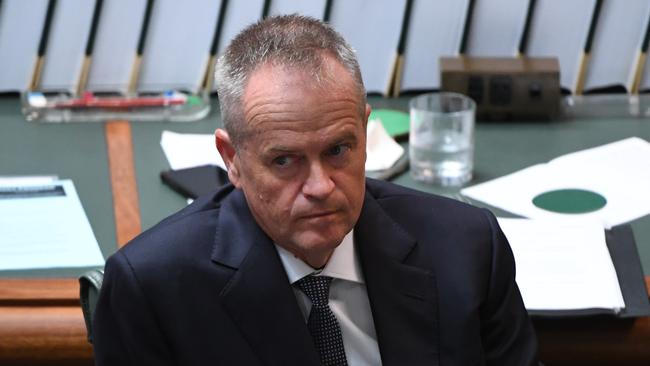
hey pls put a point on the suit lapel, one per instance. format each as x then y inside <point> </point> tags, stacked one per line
<point>258,297</point>
<point>403,298</point>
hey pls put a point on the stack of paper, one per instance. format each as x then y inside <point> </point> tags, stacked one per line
<point>563,265</point>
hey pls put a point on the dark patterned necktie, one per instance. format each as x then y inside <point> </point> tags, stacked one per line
<point>322,323</point>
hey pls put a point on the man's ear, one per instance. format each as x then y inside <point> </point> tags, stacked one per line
<point>228,154</point>
<point>368,110</point>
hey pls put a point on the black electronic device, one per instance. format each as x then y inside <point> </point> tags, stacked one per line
<point>505,88</point>
<point>195,181</point>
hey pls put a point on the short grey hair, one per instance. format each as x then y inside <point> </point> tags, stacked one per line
<point>288,40</point>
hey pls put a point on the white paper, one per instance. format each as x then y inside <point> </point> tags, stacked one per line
<point>45,231</point>
<point>19,180</point>
<point>187,150</point>
<point>619,171</point>
<point>381,150</point>
<point>563,265</point>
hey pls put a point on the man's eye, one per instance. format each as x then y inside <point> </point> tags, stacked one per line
<point>338,150</point>
<point>281,161</point>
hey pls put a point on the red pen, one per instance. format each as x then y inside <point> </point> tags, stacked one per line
<point>90,101</point>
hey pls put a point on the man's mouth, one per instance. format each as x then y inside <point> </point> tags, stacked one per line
<point>319,214</point>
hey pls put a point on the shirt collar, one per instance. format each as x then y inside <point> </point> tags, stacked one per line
<point>343,264</point>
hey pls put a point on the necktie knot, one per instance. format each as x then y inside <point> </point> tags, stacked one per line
<point>317,289</point>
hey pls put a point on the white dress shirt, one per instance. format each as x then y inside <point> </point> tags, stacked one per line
<point>348,299</point>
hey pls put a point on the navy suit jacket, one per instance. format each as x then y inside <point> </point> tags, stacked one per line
<point>206,287</point>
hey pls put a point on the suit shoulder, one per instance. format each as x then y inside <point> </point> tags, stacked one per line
<point>187,231</point>
<point>428,215</point>
<point>395,198</point>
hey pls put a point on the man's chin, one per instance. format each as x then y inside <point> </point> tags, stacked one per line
<point>318,242</point>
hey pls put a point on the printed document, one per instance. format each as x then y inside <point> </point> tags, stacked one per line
<point>43,225</point>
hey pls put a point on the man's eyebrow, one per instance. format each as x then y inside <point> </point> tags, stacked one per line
<point>347,136</point>
<point>285,149</point>
<point>279,149</point>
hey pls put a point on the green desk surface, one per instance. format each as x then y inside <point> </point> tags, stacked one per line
<point>77,151</point>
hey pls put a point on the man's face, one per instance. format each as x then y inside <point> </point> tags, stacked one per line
<point>301,164</point>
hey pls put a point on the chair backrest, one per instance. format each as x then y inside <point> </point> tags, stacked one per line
<point>89,285</point>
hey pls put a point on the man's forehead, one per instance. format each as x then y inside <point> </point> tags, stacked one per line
<point>295,134</point>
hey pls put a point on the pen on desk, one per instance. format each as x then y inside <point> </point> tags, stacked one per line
<point>584,58</point>
<point>90,101</point>
<point>327,13</point>
<point>640,61</point>
<point>523,41</point>
<point>90,43</point>
<point>42,46</point>
<point>462,49</point>
<point>395,79</point>
<point>214,48</point>
<point>135,69</point>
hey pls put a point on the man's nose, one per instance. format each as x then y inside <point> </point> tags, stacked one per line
<point>319,183</point>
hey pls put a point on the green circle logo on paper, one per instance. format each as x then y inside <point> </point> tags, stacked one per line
<point>570,201</point>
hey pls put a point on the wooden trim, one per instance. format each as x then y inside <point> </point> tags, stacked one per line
<point>59,291</point>
<point>594,341</point>
<point>126,208</point>
<point>50,335</point>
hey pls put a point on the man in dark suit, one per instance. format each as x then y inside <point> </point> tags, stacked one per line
<point>302,261</point>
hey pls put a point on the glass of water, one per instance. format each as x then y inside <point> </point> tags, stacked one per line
<point>441,138</point>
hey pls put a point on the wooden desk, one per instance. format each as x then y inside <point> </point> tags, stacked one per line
<point>40,320</point>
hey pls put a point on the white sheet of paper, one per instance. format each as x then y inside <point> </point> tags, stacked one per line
<point>186,150</point>
<point>563,265</point>
<point>381,150</point>
<point>19,180</point>
<point>619,171</point>
<point>44,226</point>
